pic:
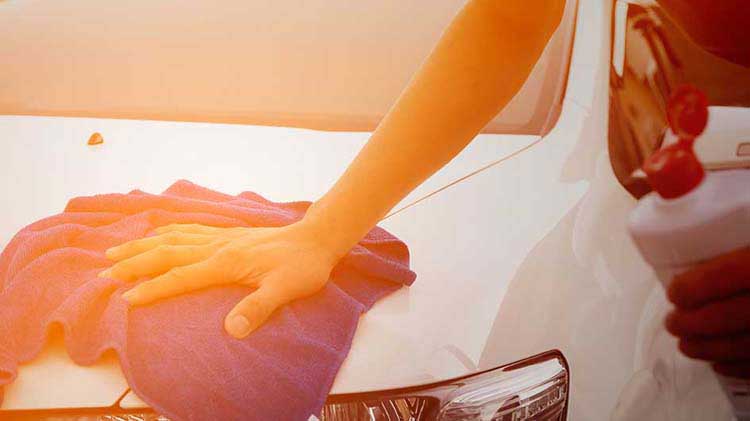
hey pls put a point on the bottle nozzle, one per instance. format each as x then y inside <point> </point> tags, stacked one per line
<point>675,170</point>
<point>687,112</point>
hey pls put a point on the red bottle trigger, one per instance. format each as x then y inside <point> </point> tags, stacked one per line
<point>687,112</point>
<point>675,170</point>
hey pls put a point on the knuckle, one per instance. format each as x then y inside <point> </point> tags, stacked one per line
<point>218,243</point>
<point>267,305</point>
<point>166,252</point>
<point>689,348</point>
<point>674,323</point>
<point>162,249</point>
<point>182,281</point>
<point>146,288</point>
<point>227,263</point>
<point>256,308</point>
<point>179,274</point>
<point>676,293</point>
<point>230,255</point>
<point>187,277</point>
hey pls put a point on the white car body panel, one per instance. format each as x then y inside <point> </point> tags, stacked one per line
<point>282,164</point>
<point>525,256</point>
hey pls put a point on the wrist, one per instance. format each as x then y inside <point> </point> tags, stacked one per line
<point>333,235</point>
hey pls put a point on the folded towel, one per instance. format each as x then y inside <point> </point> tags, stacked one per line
<point>175,353</point>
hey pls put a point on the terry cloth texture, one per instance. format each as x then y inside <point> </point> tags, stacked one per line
<point>175,353</point>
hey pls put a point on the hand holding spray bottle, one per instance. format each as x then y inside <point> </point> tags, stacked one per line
<point>692,216</point>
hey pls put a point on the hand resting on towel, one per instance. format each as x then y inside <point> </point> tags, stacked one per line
<point>283,263</point>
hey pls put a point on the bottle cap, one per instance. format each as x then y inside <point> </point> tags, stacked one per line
<point>687,112</point>
<point>675,170</point>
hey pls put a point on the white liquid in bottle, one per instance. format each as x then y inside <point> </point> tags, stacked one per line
<point>673,235</point>
<point>692,216</point>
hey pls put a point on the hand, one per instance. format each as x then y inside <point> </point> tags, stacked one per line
<point>712,315</point>
<point>283,263</point>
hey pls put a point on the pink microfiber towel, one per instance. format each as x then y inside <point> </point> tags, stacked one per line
<point>175,353</point>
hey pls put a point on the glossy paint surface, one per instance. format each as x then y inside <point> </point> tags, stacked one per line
<point>527,255</point>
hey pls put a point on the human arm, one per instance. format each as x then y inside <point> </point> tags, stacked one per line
<point>479,64</point>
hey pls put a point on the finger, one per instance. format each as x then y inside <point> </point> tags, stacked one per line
<point>717,278</point>
<point>253,311</point>
<point>135,247</point>
<point>726,348</point>
<point>724,317</point>
<point>197,229</point>
<point>175,282</point>
<point>157,261</point>
<point>740,370</point>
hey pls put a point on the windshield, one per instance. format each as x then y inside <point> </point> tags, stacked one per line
<point>322,64</point>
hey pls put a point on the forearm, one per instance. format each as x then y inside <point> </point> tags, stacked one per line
<point>480,63</point>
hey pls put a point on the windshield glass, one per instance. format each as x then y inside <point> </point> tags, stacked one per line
<point>331,65</point>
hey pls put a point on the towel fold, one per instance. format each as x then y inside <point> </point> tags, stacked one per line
<point>175,353</point>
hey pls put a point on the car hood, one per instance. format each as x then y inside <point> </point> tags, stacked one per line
<point>283,164</point>
<point>467,230</point>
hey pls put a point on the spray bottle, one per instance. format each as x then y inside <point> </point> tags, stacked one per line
<point>692,215</point>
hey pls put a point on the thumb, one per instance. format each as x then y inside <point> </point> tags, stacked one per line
<point>253,311</point>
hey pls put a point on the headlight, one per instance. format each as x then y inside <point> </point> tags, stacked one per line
<point>532,389</point>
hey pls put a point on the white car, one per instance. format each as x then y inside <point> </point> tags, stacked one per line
<point>530,302</point>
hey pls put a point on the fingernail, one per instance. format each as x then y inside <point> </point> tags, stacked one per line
<point>110,252</point>
<point>238,326</point>
<point>105,273</point>
<point>129,296</point>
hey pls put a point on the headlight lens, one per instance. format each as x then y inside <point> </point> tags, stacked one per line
<point>532,389</point>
